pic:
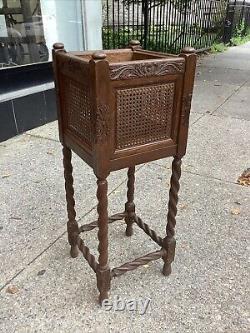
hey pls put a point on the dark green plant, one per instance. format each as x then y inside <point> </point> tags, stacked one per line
<point>241,34</point>
<point>218,47</point>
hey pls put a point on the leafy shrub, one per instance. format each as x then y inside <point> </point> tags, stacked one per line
<point>218,47</point>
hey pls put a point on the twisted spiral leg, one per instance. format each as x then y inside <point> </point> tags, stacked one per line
<point>103,271</point>
<point>130,206</point>
<point>72,225</point>
<point>169,241</point>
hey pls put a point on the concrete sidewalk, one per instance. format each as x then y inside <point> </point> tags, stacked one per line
<point>208,290</point>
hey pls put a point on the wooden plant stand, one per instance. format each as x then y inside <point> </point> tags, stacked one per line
<point>118,109</point>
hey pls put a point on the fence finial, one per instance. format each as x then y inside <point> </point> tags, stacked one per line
<point>135,44</point>
<point>99,55</point>
<point>188,50</point>
<point>58,46</point>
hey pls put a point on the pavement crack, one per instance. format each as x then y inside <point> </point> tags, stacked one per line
<point>233,93</point>
<point>202,115</point>
<point>201,175</point>
<point>227,116</point>
<point>62,234</point>
<point>211,177</point>
<point>41,137</point>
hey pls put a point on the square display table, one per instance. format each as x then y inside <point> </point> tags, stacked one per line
<point>118,109</point>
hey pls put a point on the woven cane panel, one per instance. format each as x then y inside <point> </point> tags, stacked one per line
<point>78,109</point>
<point>144,114</point>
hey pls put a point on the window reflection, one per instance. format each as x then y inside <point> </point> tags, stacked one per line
<point>22,38</point>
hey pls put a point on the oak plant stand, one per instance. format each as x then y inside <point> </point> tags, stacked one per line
<point>118,109</point>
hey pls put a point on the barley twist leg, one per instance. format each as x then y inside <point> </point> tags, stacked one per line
<point>130,206</point>
<point>103,271</point>
<point>169,241</point>
<point>72,226</point>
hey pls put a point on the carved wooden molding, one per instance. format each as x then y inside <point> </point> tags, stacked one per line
<point>125,72</point>
<point>186,106</point>
<point>103,125</point>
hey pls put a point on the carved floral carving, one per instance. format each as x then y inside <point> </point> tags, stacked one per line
<point>125,72</point>
<point>103,125</point>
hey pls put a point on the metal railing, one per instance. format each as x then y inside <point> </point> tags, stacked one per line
<point>163,25</point>
<point>169,25</point>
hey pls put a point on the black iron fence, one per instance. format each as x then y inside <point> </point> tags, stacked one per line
<point>237,19</point>
<point>167,25</point>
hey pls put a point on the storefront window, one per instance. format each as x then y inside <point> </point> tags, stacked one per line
<point>28,29</point>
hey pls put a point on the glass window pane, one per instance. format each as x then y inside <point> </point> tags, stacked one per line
<point>28,29</point>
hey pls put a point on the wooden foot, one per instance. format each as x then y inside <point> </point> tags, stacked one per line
<point>167,270</point>
<point>129,229</point>
<point>169,245</point>
<point>103,272</point>
<point>74,251</point>
<point>130,206</point>
<point>102,297</point>
<point>169,242</point>
<point>103,284</point>
<point>72,226</point>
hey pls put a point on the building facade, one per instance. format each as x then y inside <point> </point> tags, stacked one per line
<point>28,29</point>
